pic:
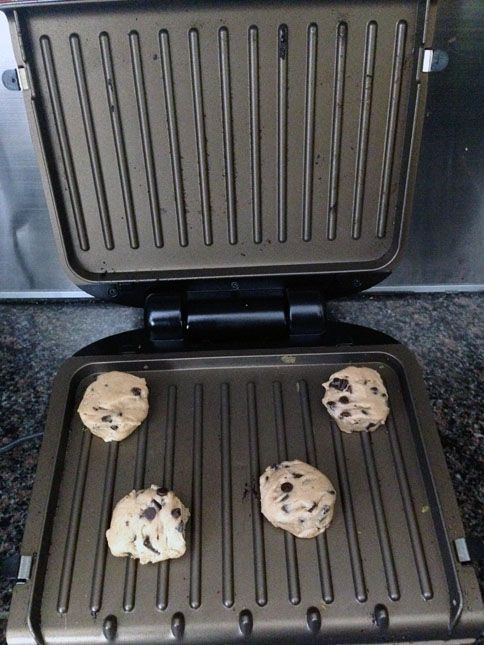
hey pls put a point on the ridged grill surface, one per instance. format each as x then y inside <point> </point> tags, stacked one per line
<point>213,426</point>
<point>250,138</point>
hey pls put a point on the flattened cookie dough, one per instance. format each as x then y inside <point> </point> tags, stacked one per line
<point>297,498</point>
<point>114,405</point>
<point>148,525</point>
<point>356,398</point>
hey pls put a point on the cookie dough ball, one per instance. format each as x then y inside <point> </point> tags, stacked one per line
<point>148,525</point>
<point>356,398</point>
<point>297,498</point>
<point>114,405</point>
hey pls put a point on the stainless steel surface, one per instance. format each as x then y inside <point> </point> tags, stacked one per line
<point>215,422</point>
<point>444,251</point>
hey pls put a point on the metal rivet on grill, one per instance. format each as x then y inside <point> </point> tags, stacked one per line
<point>246,622</point>
<point>178,625</point>
<point>110,627</point>
<point>380,616</point>
<point>314,620</point>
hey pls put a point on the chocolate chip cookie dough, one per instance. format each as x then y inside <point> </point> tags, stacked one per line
<point>356,398</point>
<point>148,525</point>
<point>114,405</point>
<point>297,498</point>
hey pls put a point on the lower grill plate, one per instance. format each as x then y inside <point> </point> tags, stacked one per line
<point>383,570</point>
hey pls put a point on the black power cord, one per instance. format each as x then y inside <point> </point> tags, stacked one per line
<point>17,442</point>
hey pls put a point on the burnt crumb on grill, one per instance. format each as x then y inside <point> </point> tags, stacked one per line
<point>162,491</point>
<point>283,499</point>
<point>344,414</point>
<point>310,510</point>
<point>149,513</point>
<point>331,404</point>
<point>176,513</point>
<point>339,384</point>
<point>180,527</point>
<point>344,400</point>
<point>325,509</point>
<point>114,427</point>
<point>136,391</point>
<point>106,418</point>
<point>285,508</point>
<point>374,390</point>
<point>157,504</point>
<point>301,520</point>
<point>370,426</point>
<point>286,487</point>
<point>296,475</point>
<point>148,545</point>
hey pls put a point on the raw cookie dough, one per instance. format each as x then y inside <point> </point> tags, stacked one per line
<point>149,525</point>
<point>356,398</point>
<point>297,498</point>
<point>114,405</point>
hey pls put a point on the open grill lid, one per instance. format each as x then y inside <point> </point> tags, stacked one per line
<point>215,139</point>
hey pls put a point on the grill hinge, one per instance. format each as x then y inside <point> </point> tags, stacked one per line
<point>235,313</point>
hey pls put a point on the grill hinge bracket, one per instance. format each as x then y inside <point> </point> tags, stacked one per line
<point>235,314</point>
<point>469,549</point>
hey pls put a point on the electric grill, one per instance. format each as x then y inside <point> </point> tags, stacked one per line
<point>229,166</point>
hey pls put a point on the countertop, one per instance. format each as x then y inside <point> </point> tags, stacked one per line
<point>444,331</point>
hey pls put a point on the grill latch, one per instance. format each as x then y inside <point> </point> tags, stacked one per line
<point>469,549</point>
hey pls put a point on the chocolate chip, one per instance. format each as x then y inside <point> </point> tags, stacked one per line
<point>344,399</point>
<point>136,391</point>
<point>349,389</point>
<point>339,384</point>
<point>344,414</point>
<point>384,395</point>
<point>95,409</point>
<point>365,382</point>
<point>283,499</point>
<point>127,523</point>
<point>114,427</point>
<point>106,384</point>
<point>149,513</point>
<point>286,487</point>
<point>162,491</point>
<point>374,390</point>
<point>332,492</point>
<point>148,545</point>
<point>120,414</point>
<point>312,507</point>
<point>267,477</point>
<point>297,475</point>
<point>176,513</point>
<point>370,425</point>
<point>107,418</point>
<point>285,508</point>
<point>364,412</point>
<point>325,509</point>
<point>157,504</point>
<point>330,404</point>
<point>275,466</point>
